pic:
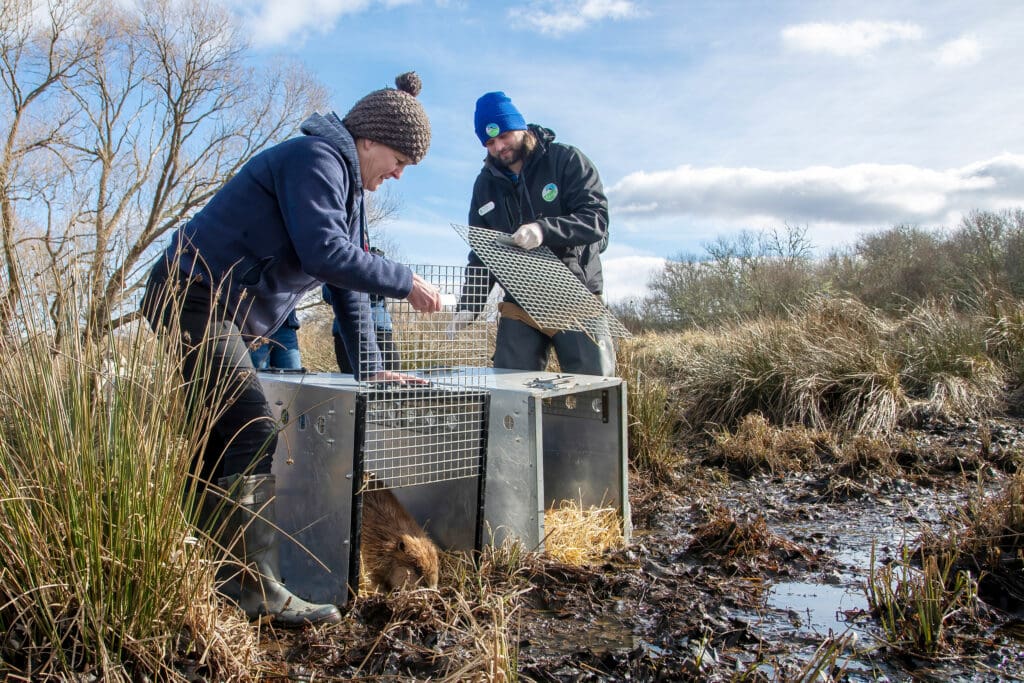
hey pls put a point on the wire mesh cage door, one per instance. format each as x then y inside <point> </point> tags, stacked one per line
<point>397,338</point>
<point>429,448</point>
<point>423,412</point>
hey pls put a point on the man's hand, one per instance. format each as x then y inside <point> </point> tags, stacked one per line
<point>398,377</point>
<point>424,297</point>
<point>460,320</point>
<point>528,236</point>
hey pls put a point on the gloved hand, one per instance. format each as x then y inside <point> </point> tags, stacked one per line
<point>459,321</point>
<point>528,236</point>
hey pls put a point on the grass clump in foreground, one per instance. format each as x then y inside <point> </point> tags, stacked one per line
<point>100,573</point>
<point>914,605</point>
<point>987,537</point>
<point>465,630</point>
<point>757,446</point>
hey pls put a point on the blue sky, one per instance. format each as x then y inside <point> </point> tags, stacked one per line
<point>704,118</point>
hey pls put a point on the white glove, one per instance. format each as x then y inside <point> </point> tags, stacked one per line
<point>528,236</point>
<point>459,321</point>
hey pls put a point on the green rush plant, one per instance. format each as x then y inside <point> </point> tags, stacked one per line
<point>913,605</point>
<point>652,419</point>
<point>101,570</point>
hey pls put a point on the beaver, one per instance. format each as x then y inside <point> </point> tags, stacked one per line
<point>395,551</point>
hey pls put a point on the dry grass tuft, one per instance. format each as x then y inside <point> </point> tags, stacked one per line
<point>725,536</point>
<point>867,455</point>
<point>576,535</point>
<point>836,365</point>
<point>757,446</point>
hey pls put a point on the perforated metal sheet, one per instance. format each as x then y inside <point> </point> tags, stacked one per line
<point>542,285</point>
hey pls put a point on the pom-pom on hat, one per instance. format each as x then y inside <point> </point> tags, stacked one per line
<point>495,114</point>
<point>393,117</point>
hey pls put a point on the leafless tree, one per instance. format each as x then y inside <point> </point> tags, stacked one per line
<point>140,115</point>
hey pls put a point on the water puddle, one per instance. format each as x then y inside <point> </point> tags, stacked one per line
<point>815,608</point>
<point>554,633</point>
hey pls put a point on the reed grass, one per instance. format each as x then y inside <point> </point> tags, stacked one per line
<point>835,365</point>
<point>483,612</point>
<point>987,534</point>
<point>653,422</point>
<point>101,570</point>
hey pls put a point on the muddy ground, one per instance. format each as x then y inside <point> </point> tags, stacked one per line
<point>727,578</point>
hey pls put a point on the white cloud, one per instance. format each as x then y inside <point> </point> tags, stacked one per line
<point>627,272</point>
<point>851,39</point>
<point>857,195</point>
<point>572,16</point>
<point>278,22</point>
<point>963,51</point>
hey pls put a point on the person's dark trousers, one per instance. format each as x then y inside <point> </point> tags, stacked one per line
<point>522,347</point>
<point>388,350</point>
<point>341,355</point>
<point>216,363</point>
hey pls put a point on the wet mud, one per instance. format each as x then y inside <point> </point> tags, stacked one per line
<point>728,577</point>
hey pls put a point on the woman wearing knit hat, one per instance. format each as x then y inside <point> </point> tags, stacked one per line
<point>291,219</point>
<point>540,192</point>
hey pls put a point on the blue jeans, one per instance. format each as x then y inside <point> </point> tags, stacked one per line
<point>282,351</point>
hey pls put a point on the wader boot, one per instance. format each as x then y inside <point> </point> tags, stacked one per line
<point>254,542</point>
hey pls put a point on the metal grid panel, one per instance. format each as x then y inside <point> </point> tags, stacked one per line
<point>427,426</point>
<point>423,435</point>
<point>542,285</point>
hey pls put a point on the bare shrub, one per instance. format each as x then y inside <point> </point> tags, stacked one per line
<point>900,264</point>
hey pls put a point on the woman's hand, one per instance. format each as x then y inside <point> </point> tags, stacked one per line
<point>397,377</point>
<point>424,296</point>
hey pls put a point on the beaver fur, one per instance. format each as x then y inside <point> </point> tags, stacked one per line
<point>395,551</point>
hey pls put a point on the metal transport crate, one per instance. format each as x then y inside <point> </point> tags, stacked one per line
<point>476,455</point>
<point>542,438</point>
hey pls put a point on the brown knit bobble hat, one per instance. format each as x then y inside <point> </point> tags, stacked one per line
<point>394,117</point>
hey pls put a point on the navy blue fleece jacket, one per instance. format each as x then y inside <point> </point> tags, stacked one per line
<point>291,219</point>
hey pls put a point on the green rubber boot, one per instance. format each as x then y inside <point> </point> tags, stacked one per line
<point>254,542</point>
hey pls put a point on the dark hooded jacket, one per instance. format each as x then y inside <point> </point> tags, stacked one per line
<point>559,188</point>
<point>291,219</point>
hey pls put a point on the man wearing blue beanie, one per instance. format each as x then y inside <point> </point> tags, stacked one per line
<point>540,192</point>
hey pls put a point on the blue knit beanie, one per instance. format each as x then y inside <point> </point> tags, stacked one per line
<point>494,115</point>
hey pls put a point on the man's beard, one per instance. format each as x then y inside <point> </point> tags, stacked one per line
<point>517,154</point>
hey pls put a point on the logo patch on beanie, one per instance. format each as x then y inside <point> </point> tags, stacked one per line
<point>549,192</point>
<point>493,130</point>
